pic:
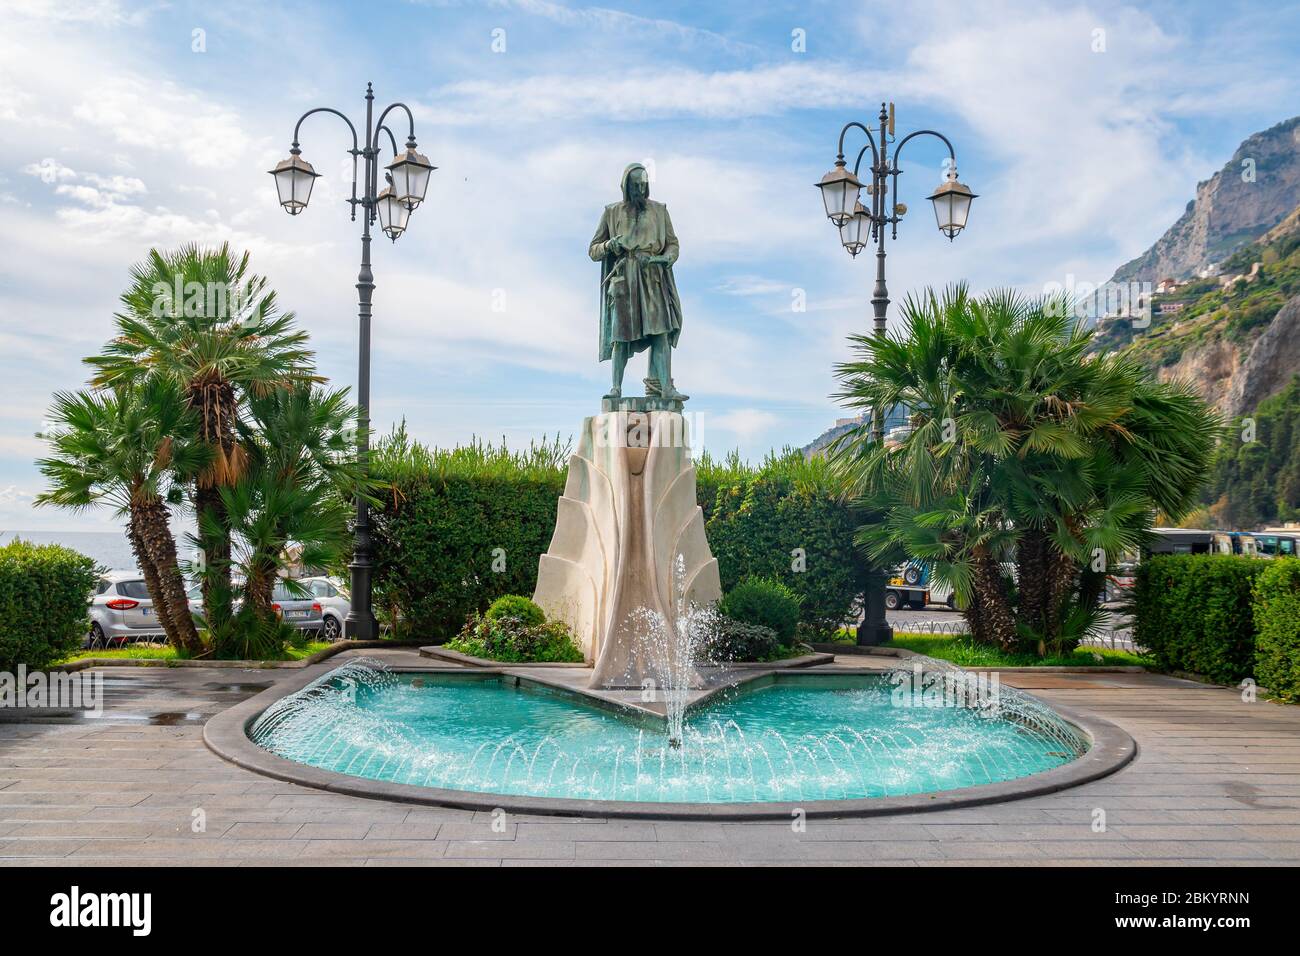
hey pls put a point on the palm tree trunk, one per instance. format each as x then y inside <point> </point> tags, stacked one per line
<point>1062,572</point>
<point>216,553</point>
<point>158,539</point>
<point>998,623</point>
<point>1032,580</point>
<point>260,587</point>
<point>216,405</point>
<point>149,569</point>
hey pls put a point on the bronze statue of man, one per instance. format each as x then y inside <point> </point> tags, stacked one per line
<point>639,307</point>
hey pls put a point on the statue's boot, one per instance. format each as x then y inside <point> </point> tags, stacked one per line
<point>671,394</point>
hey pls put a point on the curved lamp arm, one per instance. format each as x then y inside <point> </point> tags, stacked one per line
<point>876,202</point>
<point>410,122</point>
<point>391,138</point>
<point>294,150</point>
<point>374,168</point>
<point>898,151</point>
<point>871,141</point>
<point>325,109</point>
<point>923,132</point>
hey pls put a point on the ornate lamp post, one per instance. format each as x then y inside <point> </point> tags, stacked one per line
<point>861,225</point>
<point>407,180</point>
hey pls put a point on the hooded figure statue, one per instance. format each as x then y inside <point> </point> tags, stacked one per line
<point>639,307</point>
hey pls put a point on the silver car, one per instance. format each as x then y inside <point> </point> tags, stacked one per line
<point>304,613</point>
<point>121,611</point>
<point>333,599</point>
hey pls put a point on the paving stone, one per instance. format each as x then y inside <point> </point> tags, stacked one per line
<point>1216,782</point>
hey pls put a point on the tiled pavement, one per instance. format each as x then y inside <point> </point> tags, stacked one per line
<point>1216,781</point>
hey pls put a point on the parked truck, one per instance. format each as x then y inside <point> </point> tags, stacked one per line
<point>912,587</point>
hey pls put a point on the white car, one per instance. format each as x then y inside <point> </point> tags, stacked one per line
<point>332,596</point>
<point>121,611</point>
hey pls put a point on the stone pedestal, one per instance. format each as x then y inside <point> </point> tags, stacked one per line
<point>628,514</point>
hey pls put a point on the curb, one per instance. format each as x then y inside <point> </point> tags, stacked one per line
<point>337,647</point>
<point>226,735</point>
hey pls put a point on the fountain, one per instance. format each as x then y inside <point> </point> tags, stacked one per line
<point>798,738</point>
<point>630,570</point>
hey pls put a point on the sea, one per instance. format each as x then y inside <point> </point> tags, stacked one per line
<point>108,549</point>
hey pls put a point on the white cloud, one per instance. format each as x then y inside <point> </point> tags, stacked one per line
<point>743,423</point>
<point>1078,157</point>
<point>645,94</point>
<point>99,12</point>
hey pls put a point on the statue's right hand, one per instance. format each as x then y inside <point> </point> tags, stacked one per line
<point>614,245</point>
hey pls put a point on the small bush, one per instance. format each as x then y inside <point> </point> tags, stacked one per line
<point>1193,613</point>
<point>733,640</point>
<point>765,602</point>
<point>44,599</point>
<point>516,606</point>
<point>511,641</point>
<point>1277,619</point>
<point>246,636</point>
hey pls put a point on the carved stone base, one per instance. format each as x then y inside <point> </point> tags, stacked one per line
<point>628,511</point>
<point>648,403</point>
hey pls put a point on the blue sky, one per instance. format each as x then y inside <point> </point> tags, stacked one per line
<point>117,134</point>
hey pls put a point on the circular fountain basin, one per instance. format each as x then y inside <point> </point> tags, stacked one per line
<point>826,743</point>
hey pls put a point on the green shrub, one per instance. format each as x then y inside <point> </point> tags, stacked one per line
<point>733,640</point>
<point>765,602</point>
<point>518,607</point>
<point>785,520</point>
<point>509,640</point>
<point>44,599</point>
<point>461,527</point>
<point>248,636</point>
<point>1193,613</point>
<point>1277,620</point>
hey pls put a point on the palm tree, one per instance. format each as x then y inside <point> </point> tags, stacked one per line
<point>131,447</point>
<point>196,317</point>
<point>1022,447</point>
<point>301,476</point>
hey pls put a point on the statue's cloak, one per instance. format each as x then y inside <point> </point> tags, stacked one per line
<point>638,299</point>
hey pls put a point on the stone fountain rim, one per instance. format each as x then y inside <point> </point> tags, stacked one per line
<point>226,734</point>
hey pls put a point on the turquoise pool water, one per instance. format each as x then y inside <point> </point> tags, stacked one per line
<point>799,739</point>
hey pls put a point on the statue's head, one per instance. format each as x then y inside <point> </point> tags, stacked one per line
<point>636,185</point>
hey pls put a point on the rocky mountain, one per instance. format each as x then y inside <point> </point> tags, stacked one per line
<point>1250,195</point>
<point>1229,321</point>
<point>1235,336</point>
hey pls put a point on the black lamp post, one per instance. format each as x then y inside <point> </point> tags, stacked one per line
<point>860,225</point>
<point>407,180</point>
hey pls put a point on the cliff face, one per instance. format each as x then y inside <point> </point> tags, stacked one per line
<point>1235,342</point>
<point>1233,375</point>
<point>1273,360</point>
<point>1228,211</point>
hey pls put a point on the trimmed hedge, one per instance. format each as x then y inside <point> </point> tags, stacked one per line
<point>783,520</point>
<point>458,528</point>
<point>1277,618</point>
<point>44,599</point>
<point>1194,613</point>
